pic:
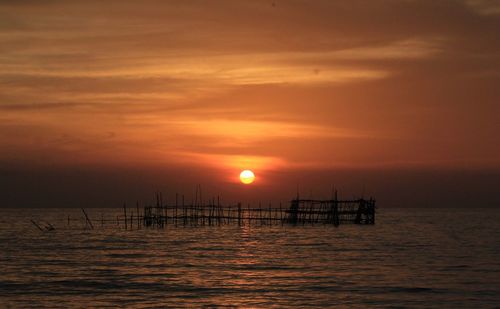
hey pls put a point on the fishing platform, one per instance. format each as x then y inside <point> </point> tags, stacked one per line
<point>300,211</point>
<point>332,212</point>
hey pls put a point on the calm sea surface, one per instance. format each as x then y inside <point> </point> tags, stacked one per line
<point>416,258</point>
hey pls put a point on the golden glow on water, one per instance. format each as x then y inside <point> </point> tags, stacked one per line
<point>250,266</point>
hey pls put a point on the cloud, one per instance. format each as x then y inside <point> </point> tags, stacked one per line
<point>251,131</point>
<point>321,83</point>
<point>485,7</point>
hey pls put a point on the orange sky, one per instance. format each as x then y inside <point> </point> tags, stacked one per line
<point>200,90</point>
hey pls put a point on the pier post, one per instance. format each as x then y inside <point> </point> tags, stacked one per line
<point>125,214</point>
<point>132,219</point>
<point>138,222</point>
<point>294,208</point>
<point>239,213</point>
<point>281,214</point>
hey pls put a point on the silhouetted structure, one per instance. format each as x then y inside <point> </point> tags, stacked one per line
<point>301,211</point>
<point>332,211</point>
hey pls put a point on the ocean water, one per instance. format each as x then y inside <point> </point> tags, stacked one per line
<point>410,257</point>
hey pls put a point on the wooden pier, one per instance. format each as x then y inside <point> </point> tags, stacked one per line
<point>298,212</point>
<point>359,211</point>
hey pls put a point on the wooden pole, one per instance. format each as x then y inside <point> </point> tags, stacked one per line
<point>336,220</point>
<point>261,217</point>
<point>239,213</point>
<point>163,211</point>
<point>210,212</point>
<point>183,211</point>
<point>87,218</point>
<point>281,215</point>
<point>131,219</point>
<point>35,224</point>
<point>202,213</point>
<point>125,214</point>
<point>219,215</point>
<point>138,218</point>
<point>165,207</point>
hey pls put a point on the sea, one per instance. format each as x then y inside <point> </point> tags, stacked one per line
<point>416,258</point>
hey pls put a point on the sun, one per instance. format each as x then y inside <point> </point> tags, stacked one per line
<point>247,177</point>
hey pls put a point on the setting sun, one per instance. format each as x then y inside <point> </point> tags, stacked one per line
<point>247,177</point>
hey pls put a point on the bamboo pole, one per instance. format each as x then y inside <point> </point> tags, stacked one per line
<point>138,218</point>
<point>183,211</point>
<point>281,215</point>
<point>125,215</point>
<point>176,196</point>
<point>131,219</point>
<point>38,226</point>
<point>219,215</point>
<point>87,219</point>
<point>239,214</point>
